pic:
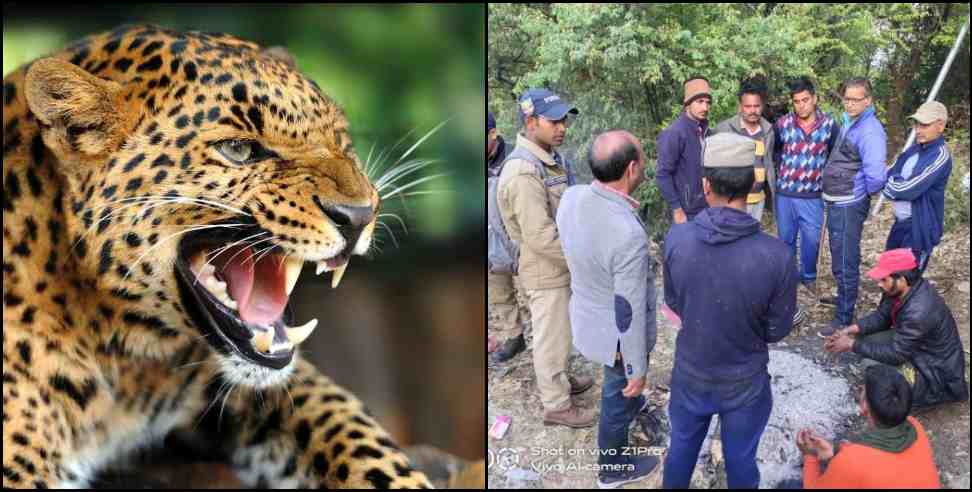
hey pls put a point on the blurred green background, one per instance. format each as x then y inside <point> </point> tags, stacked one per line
<point>405,331</point>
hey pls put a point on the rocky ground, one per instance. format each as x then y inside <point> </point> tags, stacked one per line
<point>811,388</point>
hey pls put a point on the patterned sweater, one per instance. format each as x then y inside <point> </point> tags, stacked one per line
<point>801,157</point>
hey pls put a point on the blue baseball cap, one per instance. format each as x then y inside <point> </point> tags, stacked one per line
<point>543,102</point>
<point>490,121</point>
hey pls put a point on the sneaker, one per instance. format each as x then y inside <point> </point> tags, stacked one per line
<point>509,349</point>
<point>580,384</point>
<point>830,330</point>
<point>799,317</point>
<point>574,417</point>
<point>643,466</point>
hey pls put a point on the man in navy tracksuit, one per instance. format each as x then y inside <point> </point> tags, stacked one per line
<point>734,288</point>
<point>916,186</point>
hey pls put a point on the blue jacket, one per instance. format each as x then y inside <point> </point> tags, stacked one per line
<point>679,173</point>
<point>925,190</point>
<point>734,288</point>
<point>856,167</point>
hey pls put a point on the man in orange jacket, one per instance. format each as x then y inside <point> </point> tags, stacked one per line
<point>893,441</point>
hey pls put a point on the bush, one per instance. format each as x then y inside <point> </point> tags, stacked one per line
<point>654,211</point>
<point>956,194</point>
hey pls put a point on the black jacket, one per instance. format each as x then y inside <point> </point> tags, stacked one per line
<point>925,335</point>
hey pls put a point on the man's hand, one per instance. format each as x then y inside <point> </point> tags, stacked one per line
<point>679,216</point>
<point>851,330</point>
<point>634,387</point>
<point>839,343</point>
<point>812,444</point>
<point>803,444</point>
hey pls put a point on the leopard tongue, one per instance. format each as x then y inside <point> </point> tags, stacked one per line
<point>259,289</point>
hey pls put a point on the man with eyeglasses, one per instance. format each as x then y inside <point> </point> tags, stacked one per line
<point>531,184</point>
<point>855,170</point>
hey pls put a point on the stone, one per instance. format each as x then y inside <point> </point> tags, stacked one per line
<point>963,287</point>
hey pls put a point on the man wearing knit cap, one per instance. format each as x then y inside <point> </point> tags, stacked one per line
<point>501,292</point>
<point>916,185</point>
<point>533,180</point>
<point>912,330</point>
<point>680,153</point>
<point>734,288</point>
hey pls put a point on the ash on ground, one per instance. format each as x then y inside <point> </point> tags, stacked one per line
<point>804,395</point>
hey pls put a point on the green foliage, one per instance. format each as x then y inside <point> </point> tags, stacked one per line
<point>654,211</point>
<point>957,198</point>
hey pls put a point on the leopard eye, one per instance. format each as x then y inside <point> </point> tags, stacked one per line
<point>238,151</point>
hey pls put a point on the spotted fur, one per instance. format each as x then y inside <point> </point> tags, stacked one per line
<point>100,356</point>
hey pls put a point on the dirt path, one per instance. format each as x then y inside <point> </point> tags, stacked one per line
<point>534,456</point>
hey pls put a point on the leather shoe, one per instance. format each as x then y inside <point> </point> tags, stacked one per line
<point>573,416</point>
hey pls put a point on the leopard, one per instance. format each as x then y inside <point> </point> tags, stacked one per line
<point>162,193</point>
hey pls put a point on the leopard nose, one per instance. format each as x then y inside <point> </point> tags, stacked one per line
<point>349,220</point>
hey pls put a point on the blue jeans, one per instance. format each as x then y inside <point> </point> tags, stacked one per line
<point>744,409</point>
<point>845,225</point>
<point>617,413</point>
<point>900,237</point>
<point>804,216</point>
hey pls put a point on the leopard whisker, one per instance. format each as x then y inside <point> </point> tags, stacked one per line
<point>381,155</point>
<point>190,229</point>
<point>367,163</point>
<point>394,216</point>
<point>423,139</point>
<point>389,232</point>
<point>219,420</point>
<point>264,252</point>
<point>225,248</point>
<point>426,192</point>
<point>250,258</point>
<point>401,171</point>
<point>293,406</point>
<point>211,403</point>
<point>411,185</point>
<point>174,199</point>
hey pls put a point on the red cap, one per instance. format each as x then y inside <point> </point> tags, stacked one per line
<point>893,261</point>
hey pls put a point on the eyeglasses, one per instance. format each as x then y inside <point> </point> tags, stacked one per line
<point>852,100</point>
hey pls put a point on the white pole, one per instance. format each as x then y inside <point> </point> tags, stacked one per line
<point>931,97</point>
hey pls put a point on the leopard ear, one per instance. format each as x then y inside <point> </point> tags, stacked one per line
<point>280,53</point>
<point>81,114</point>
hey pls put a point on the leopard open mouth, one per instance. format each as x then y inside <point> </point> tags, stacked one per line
<point>237,287</point>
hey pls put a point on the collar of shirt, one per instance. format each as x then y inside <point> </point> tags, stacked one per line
<point>631,201</point>
<point>759,127</point>
<point>552,160</point>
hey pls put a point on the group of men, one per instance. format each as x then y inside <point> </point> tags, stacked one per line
<point>585,265</point>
